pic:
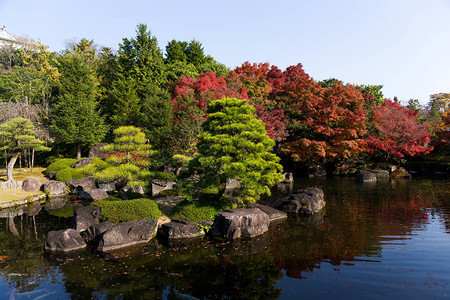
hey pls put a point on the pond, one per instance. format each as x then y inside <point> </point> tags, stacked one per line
<point>376,240</point>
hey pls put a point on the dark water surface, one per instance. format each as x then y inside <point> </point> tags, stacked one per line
<point>373,241</point>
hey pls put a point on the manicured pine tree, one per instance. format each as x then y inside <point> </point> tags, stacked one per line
<point>234,145</point>
<point>16,136</point>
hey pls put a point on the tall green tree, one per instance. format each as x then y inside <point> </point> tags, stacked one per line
<point>75,118</point>
<point>126,103</point>
<point>16,136</point>
<point>141,59</point>
<point>234,145</point>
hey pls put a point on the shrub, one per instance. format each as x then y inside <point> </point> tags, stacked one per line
<point>117,210</point>
<point>61,164</point>
<point>199,210</point>
<point>97,165</point>
<point>69,173</point>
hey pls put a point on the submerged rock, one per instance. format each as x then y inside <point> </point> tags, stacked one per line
<point>128,233</point>
<point>86,216</point>
<point>307,201</point>
<point>180,229</point>
<point>237,223</point>
<point>64,241</point>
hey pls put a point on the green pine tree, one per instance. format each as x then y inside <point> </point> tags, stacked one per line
<point>234,145</point>
<point>16,136</point>
<point>75,118</point>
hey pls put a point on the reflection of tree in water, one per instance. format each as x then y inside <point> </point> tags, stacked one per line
<point>206,270</point>
<point>357,218</point>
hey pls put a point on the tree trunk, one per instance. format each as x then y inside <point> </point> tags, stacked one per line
<point>78,151</point>
<point>32,160</point>
<point>10,166</point>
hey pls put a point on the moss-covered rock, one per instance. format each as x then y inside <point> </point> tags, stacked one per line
<point>196,211</point>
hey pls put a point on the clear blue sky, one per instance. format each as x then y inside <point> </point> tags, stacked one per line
<point>401,44</point>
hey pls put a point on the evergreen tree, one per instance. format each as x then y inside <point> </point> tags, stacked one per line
<point>16,136</point>
<point>126,103</point>
<point>234,145</point>
<point>141,59</point>
<point>75,118</point>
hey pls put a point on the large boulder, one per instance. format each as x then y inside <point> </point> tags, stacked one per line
<point>95,151</point>
<point>180,229</point>
<point>128,190</point>
<point>236,223</point>
<point>51,175</point>
<point>96,194</point>
<point>94,231</point>
<point>365,176</point>
<point>288,177</point>
<point>159,186</point>
<point>274,214</point>
<point>84,184</point>
<point>55,187</point>
<point>307,201</point>
<point>64,241</point>
<point>107,187</point>
<point>381,174</point>
<point>82,163</point>
<point>31,184</point>
<point>86,216</point>
<point>127,234</point>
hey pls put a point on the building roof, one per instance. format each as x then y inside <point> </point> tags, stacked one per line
<point>15,40</point>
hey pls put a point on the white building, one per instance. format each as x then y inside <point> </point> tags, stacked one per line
<point>14,41</point>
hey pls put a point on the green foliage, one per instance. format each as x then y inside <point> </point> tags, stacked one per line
<point>234,145</point>
<point>69,173</point>
<point>126,103</point>
<point>196,211</point>
<point>116,210</point>
<point>17,135</point>
<point>75,117</point>
<point>61,164</point>
<point>141,58</point>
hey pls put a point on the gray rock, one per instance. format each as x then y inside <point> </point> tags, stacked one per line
<point>304,201</point>
<point>94,231</point>
<point>400,173</point>
<point>138,189</point>
<point>31,184</point>
<point>82,163</point>
<point>55,187</point>
<point>317,172</point>
<point>86,216</point>
<point>180,229</point>
<point>288,177</point>
<point>159,186</point>
<point>381,174</point>
<point>96,194</point>
<point>236,223</point>
<point>64,241</point>
<point>107,187</point>
<point>95,151</point>
<point>206,223</point>
<point>84,184</point>
<point>127,234</point>
<point>274,214</point>
<point>365,176</point>
<point>52,175</point>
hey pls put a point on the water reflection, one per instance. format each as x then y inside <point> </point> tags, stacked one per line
<point>363,228</point>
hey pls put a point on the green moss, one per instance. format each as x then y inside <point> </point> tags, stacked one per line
<point>61,164</point>
<point>116,210</point>
<point>69,173</point>
<point>199,210</point>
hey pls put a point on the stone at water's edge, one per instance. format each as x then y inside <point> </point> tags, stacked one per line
<point>82,163</point>
<point>288,177</point>
<point>83,184</point>
<point>96,194</point>
<point>64,241</point>
<point>55,187</point>
<point>381,174</point>
<point>400,173</point>
<point>86,216</point>
<point>274,214</point>
<point>365,176</point>
<point>180,229</point>
<point>127,234</point>
<point>236,223</point>
<point>307,201</point>
<point>96,230</point>
<point>31,184</point>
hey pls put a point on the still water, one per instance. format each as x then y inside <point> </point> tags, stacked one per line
<point>373,241</point>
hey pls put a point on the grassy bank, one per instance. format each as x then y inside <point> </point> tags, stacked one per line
<point>8,195</point>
